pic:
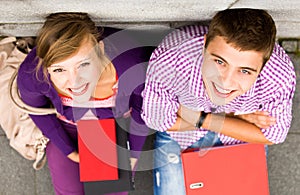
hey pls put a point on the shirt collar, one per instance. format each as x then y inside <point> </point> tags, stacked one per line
<point>196,85</point>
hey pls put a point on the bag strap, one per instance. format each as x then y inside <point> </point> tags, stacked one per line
<point>14,95</point>
<point>41,159</point>
<point>40,144</point>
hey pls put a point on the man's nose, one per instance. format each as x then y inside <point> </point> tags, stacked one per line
<point>228,78</point>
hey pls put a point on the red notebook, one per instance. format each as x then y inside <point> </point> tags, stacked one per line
<point>235,170</point>
<point>97,150</point>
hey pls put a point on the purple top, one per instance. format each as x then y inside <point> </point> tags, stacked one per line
<point>130,66</point>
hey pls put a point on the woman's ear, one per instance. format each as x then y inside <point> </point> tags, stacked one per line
<point>204,39</point>
<point>101,46</point>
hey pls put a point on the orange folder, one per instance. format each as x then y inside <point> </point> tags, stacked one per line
<point>97,150</point>
<point>235,170</point>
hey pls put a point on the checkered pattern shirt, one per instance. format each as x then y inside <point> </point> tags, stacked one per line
<point>174,78</point>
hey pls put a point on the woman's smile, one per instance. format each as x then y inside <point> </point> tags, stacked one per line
<point>79,90</point>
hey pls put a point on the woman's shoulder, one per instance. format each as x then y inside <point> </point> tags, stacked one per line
<point>28,66</point>
<point>28,76</point>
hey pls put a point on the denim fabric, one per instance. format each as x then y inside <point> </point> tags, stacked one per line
<point>168,173</point>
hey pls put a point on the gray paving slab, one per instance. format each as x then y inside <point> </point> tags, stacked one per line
<point>295,127</point>
<point>43,182</point>
<point>143,177</point>
<point>284,159</point>
<point>284,166</point>
<point>17,175</point>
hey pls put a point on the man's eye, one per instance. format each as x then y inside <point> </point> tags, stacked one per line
<point>219,62</point>
<point>245,71</point>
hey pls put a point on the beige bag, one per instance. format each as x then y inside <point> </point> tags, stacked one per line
<point>23,134</point>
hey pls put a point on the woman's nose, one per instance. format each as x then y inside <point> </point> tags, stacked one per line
<point>73,76</point>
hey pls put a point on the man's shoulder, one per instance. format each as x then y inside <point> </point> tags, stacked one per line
<point>182,46</point>
<point>279,70</point>
<point>182,35</point>
<point>192,30</point>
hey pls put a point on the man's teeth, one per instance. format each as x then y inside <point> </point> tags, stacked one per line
<point>224,91</point>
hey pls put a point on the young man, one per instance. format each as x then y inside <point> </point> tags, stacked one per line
<point>224,85</point>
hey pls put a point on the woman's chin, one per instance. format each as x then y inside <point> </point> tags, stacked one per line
<point>81,99</point>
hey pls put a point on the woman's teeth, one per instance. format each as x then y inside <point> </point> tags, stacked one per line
<point>79,90</point>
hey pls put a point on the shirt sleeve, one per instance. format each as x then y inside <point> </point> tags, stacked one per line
<point>281,109</point>
<point>138,129</point>
<point>33,94</point>
<point>164,79</point>
<point>129,99</point>
<point>282,88</point>
<point>160,103</point>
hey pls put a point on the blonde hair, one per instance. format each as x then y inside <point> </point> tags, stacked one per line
<point>61,36</point>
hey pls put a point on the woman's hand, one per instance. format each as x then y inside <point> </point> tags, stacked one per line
<point>74,156</point>
<point>133,162</point>
<point>261,119</point>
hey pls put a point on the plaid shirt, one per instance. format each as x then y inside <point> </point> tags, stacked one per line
<point>174,78</point>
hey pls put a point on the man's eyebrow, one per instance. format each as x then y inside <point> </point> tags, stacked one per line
<point>248,68</point>
<point>215,55</point>
<point>245,67</point>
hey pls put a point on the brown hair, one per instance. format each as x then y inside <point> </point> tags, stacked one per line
<point>245,29</point>
<point>61,36</point>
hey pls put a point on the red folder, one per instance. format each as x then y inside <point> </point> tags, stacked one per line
<point>97,150</point>
<point>235,170</point>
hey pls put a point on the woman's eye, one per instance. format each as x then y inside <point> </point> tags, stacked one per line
<point>57,70</point>
<point>84,64</point>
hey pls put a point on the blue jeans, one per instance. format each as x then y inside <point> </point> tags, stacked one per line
<point>168,174</point>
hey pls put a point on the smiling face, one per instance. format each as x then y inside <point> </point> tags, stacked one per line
<point>228,72</point>
<point>77,75</point>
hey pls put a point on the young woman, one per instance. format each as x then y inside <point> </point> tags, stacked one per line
<point>70,70</point>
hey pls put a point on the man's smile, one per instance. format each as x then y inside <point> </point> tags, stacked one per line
<point>224,93</point>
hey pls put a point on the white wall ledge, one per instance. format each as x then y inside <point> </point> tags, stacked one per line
<point>25,17</point>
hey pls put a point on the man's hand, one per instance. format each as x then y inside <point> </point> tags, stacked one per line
<point>261,119</point>
<point>188,114</point>
<point>74,156</point>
